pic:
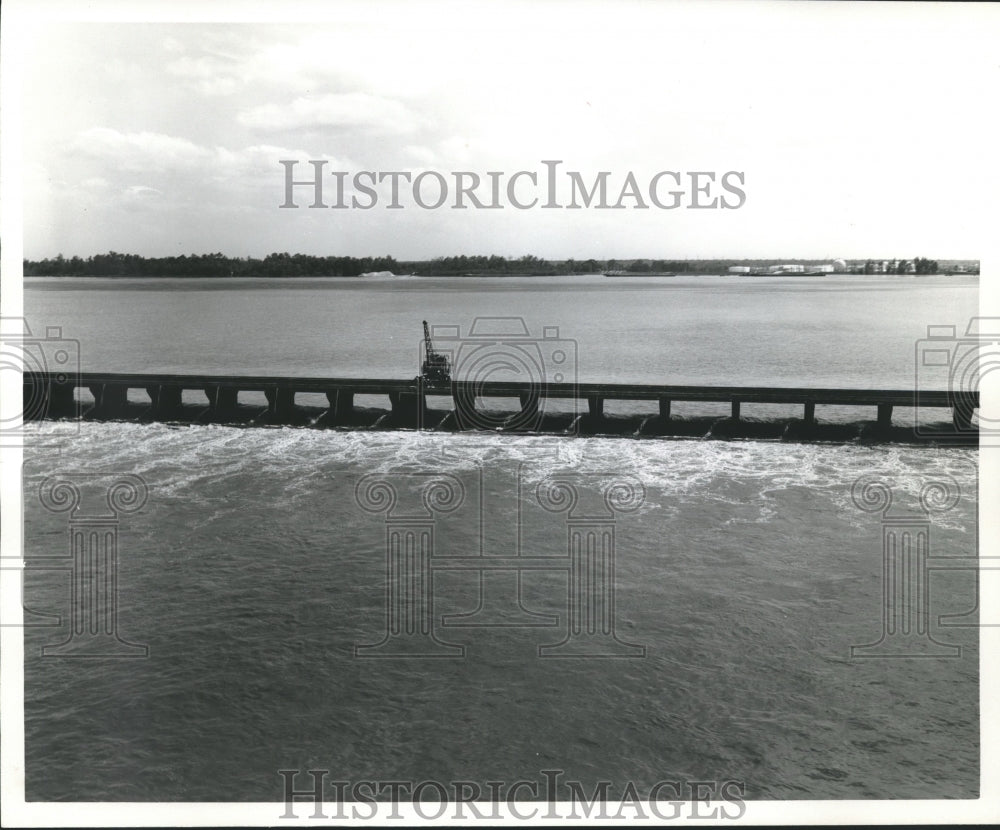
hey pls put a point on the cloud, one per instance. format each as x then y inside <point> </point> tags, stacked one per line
<point>114,168</point>
<point>251,59</point>
<point>139,151</point>
<point>140,192</point>
<point>172,44</point>
<point>209,74</point>
<point>350,110</point>
<point>213,61</point>
<point>119,152</point>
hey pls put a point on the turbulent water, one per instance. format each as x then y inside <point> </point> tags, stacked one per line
<point>744,570</point>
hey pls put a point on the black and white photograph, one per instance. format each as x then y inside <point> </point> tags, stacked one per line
<point>499,413</point>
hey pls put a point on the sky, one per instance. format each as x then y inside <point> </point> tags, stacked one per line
<point>857,130</point>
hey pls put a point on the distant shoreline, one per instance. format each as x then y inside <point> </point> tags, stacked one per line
<point>416,277</point>
<point>286,265</point>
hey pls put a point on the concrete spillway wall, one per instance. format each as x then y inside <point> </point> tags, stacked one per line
<point>56,396</point>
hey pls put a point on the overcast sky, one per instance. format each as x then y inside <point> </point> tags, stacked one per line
<point>860,130</point>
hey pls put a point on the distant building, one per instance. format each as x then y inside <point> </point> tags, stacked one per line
<point>786,269</point>
<point>739,269</point>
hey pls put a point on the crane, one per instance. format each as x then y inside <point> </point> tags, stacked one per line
<point>436,366</point>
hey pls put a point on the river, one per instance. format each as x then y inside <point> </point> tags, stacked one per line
<point>744,570</point>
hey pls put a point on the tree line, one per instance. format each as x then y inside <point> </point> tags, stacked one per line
<point>114,264</point>
<point>901,266</point>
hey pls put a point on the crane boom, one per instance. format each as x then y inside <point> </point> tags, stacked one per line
<point>436,366</point>
<point>428,346</point>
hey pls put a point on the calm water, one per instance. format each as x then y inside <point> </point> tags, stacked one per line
<point>848,331</point>
<point>746,573</point>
